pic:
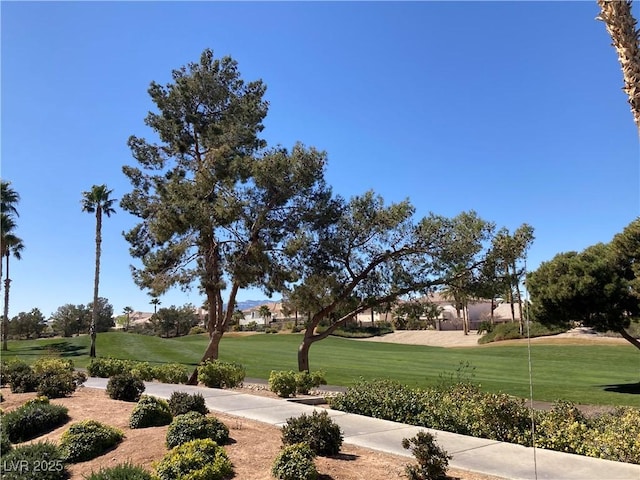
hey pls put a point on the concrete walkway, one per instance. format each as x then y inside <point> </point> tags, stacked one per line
<point>469,453</point>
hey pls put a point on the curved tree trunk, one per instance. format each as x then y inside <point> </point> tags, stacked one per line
<point>303,353</point>
<point>634,341</point>
<point>211,353</point>
<point>5,319</point>
<point>96,280</point>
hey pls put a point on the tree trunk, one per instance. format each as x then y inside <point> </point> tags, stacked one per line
<point>211,353</point>
<point>303,354</point>
<point>493,303</point>
<point>5,319</point>
<point>634,341</point>
<point>96,280</point>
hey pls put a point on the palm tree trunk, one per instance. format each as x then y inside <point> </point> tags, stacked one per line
<point>5,319</point>
<point>96,281</point>
<point>626,40</point>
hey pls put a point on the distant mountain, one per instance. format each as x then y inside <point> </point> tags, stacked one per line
<point>255,303</point>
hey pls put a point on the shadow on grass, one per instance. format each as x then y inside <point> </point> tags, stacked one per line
<point>63,349</point>
<point>632,388</point>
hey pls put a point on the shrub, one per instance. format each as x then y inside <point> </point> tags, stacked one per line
<point>125,387</point>
<point>144,371</point>
<point>305,381</point>
<point>282,383</point>
<point>33,418</point>
<point>5,443</point>
<point>385,399</point>
<point>616,436</point>
<point>182,402</point>
<point>197,330</point>
<point>3,373</point>
<point>432,460</point>
<point>251,326</point>
<point>194,425</point>
<point>218,374</point>
<point>150,412</point>
<point>108,367</point>
<point>563,428</point>
<point>196,460</point>
<point>124,471</point>
<point>321,433</point>
<point>36,461</point>
<point>21,377</point>
<point>171,373</point>
<point>295,462</point>
<point>88,439</point>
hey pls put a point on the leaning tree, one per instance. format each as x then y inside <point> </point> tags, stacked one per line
<point>216,207</point>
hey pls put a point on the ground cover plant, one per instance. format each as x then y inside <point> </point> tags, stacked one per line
<point>558,369</point>
<point>124,471</point>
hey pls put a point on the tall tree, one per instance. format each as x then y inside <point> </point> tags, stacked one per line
<point>587,287</point>
<point>13,246</point>
<point>621,25</point>
<point>155,301</point>
<point>127,312</point>
<point>70,319</point>
<point>214,206</point>
<point>97,200</point>
<point>372,255</point>
<point>9,199</point>
<point>264,313</point>
<point>28,324</point>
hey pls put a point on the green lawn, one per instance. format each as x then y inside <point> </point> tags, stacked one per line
<point>593,374</point>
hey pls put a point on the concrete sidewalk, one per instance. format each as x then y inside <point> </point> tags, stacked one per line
<point>469,453</point>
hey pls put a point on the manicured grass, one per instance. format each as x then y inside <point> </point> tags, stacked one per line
<point>590,374</point>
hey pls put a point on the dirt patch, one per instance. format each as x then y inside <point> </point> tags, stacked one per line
<point>457,338</point>
<point>252,450</point>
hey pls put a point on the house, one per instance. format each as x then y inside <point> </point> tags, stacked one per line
<point>254,314</point>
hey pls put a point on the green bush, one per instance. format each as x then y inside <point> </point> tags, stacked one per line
<point>385,399</point>
<point>282,383</point>
<point>616,436</point>
<point>295,462</point>
<point>251,326</point>
<point>321,433</point>
<point>194,425</point>
<point>20,377</point>
<point>125,387</point>
<point>197,330</point>
<point>182,402</point>
<point>564,428</point>
<point>432,460</point>
<point>219,374</point>
<point>3,373</point>
<point>124,471</point>
<point>150,412</point>
<point>5,443</point>
<point>108,367</point>
<point>511,331</point>
<point>88,439</point>
<point>35,461</point>
<point>32,419</point>
<point>144,371</point>
<point>171,373</point>
<point>305,381</point>
<point>195,460</point>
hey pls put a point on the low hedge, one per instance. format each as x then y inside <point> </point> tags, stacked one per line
<point>462,408</point>
<point>219,374</point>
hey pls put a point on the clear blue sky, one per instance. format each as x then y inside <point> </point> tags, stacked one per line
<point>512,109</point>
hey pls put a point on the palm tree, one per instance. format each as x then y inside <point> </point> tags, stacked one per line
<point>621,26</point>
<point>127,311</point>
<point>9,244</point>
<point>12,246</point>
<point>155,301</point>
<point>264,312</point>
<point>97,201</point>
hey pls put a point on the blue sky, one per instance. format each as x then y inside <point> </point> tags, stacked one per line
<point>512,109</point>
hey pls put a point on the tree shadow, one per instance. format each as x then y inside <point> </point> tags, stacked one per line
<point>323,476</point>
<point>62,349</point>
<point>632,388</point>
<point>347,457</point>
